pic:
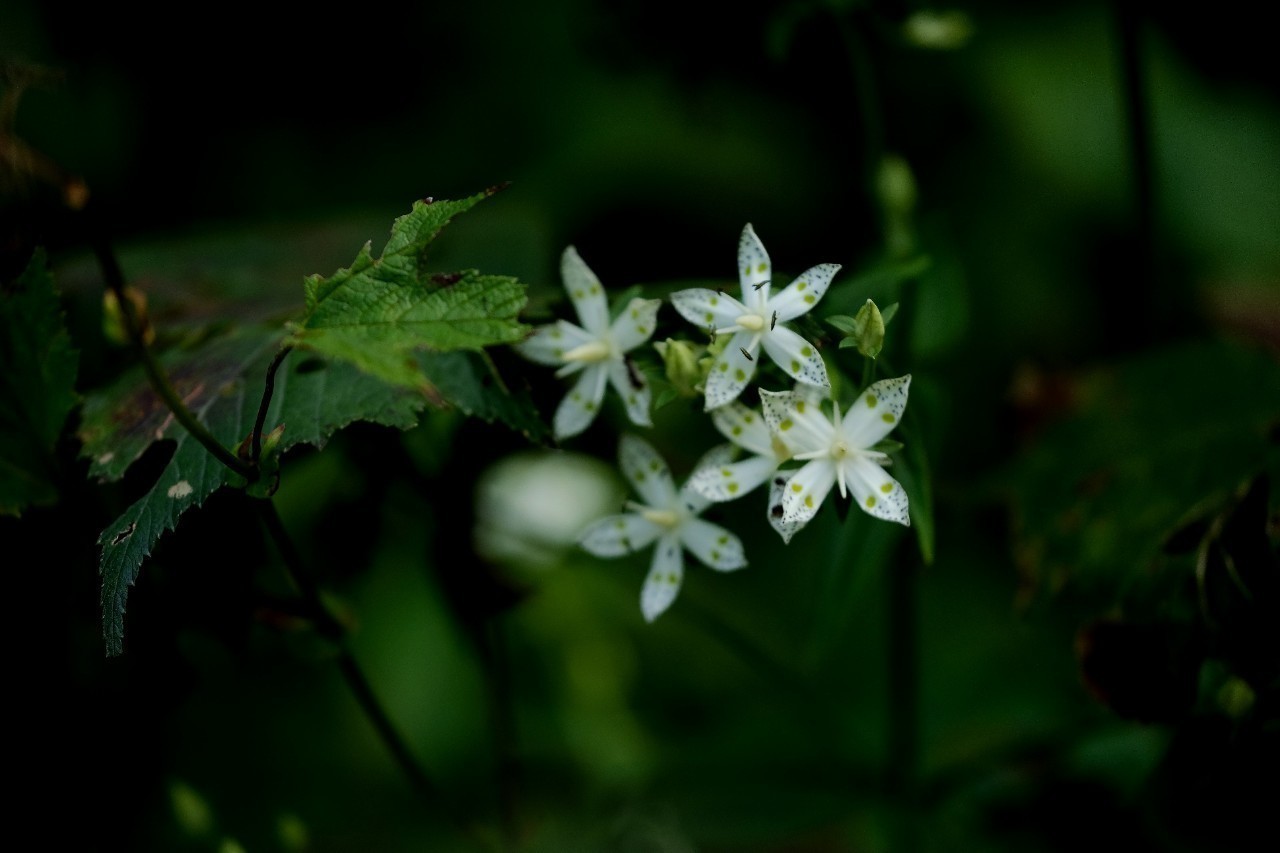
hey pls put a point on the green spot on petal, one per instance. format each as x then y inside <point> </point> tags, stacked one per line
<point>733,488</point>
<point>802,285</point>
<point>809,298</point>
<point>870,501</point>
<point>737,430</point>
<point>795,366</point>
<point>871,401</point>
<point>723,540</point>
<point>715,556</point>
<point>785,425</point>
<point>724,367</point>
<point>887,417</point>
<point>740,374</point>
<point>799,404</point>
<point>887,488</point>
<point>796,487</point>
<point>806,352</point>
<point>808,501</point>
<point>762,268</point>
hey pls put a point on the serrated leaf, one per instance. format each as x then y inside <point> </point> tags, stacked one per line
<point>37,386</point>
<point>379,312</point>
<point>221,381</point>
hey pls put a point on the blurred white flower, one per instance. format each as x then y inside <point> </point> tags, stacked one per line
<point>530,507</point>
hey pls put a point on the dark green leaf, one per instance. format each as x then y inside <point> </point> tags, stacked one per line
<point>37,382</point>
<point>221,380</point>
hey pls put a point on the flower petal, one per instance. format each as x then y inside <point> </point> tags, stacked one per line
<point>796,418</point>
<point>727,482</point>
<point>713,545</point>
<point>876,411</point>
<point>629,382</point>
<point>718,456</point>
<point>585,291</point>
<point>731,372</point>
<point>796,356</point>
<point>754,269</point>
<point>581,405</point>
<point>707,309</point>
<point>663,581</point>
<point>616,535</point>
<point>806,490</point>
<point>646,471</point>
<point>635,324</point>
<point>786,529</point>
<point>548,344</point>
<point>744,427</point>
<point>801,295</point>
<point>876,492</point>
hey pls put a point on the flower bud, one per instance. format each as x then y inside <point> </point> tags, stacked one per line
<point>684,367</point>
<point>868,330</point>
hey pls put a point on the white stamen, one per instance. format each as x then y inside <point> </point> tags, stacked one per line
<point>753,322</point>
<point>660,517</point>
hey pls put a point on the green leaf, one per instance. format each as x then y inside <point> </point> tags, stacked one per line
<point>37,386</point>
<point>462,380</point>
<point>221,380</point>
<point>379,312</point>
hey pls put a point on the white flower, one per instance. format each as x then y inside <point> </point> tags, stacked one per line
<point>595,350</point>
<point>757,322</point>
<point>747,429</point>
<point>666,517</point>
<point>840,451</point>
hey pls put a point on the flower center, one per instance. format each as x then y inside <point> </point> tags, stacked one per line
<point>590,352</point>
<point>751,322</point>
<point>661,517</point>
<point>839,450</point>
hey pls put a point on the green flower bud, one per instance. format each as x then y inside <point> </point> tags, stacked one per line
<point>684,365</point>
<point>868,330</point>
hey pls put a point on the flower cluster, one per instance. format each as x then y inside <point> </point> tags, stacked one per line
<point>792,427</point>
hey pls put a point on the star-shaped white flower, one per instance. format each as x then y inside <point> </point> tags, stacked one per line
<point>596,350</point>
<point>747,429</point>
<point>839,451</point>
<point>667,517</point>
<point>757,322</point>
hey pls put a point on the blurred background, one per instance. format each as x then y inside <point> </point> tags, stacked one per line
<point>1078,208</point>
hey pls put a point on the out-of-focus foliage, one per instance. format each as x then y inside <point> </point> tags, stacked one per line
<point>37,379</point>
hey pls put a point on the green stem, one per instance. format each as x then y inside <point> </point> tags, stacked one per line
<point>155,373</point>
<point>904,700</point>
<point>868,372</point>
<point>331,629</point>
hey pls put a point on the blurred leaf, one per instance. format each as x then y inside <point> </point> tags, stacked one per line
<point>463,381</point>
<point>1145,443</point>
<point>37,381</point>
<point>378,312</point>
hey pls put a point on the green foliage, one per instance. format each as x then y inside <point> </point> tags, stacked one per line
<point>37,379</point>
<point>221,381</point>
<point>1150,442</point>
<point>379,311</point>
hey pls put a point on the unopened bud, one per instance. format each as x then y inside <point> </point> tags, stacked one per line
<point>684,369</point>
<point>868,330</point>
